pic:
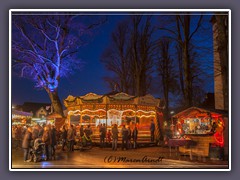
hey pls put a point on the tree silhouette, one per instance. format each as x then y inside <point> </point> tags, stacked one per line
<point>45,48</point>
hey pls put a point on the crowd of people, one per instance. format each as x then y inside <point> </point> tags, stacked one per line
<point>24,137</point>
<point>128,135</point>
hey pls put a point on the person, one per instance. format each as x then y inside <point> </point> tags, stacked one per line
<point>64,137</point>
<point>129,137</point>
<point>124,137</point>
<point>35,132</point>
<point>26,144</point>
<point>40,131</point>
<point>87,135</point>
<point>152,129</point>
<point>134,136</point>
<point>53,141</point>
<point>46,140</point>
<point>70,138</point>
<point>102,135</point>
<point>81,131</point>
<point>88,131</point>
<point>114,137</point>
<point>109,136</point>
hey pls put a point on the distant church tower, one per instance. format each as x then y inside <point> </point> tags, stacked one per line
<point>220,47</point>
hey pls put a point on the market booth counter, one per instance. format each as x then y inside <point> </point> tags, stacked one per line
<point>203,127</point>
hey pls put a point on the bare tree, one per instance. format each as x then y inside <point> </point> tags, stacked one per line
<point>116,58</point>
<point>142,53</point>
<point>44,49</point>
<point>167,72</point>
<point>130,55</point>
<point>183,32</point>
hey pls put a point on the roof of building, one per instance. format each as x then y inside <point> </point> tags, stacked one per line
<point>33,107</point>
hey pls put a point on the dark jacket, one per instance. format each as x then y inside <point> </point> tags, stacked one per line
<point>103,131</point>
<point>152,127</point>
<point>46,137</point>
<point>70,134</point>
<point>81,131</point>
<point>134,134</point>
<point>64,134</point>
<point>27,139</point>
<point>35,133</point>
<point>129,134</point>
<point>53,137</point>
<point>115,133</point>
<point>125,133</point>
<point>88,131</point>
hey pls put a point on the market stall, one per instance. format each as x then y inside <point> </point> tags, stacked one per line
<point>55,119</point>
<point>21,117</point>
<point>204,127</point>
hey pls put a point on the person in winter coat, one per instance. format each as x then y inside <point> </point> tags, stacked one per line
<point>109,136</point>
<point>26,143</point>
<point>81,131</point>
<point>88,131</point>
<point>40,131</point>
<point>46,140</point>
<point>70,138</point>
<point>134,136</point>
<point>129,137</point>
<point>103,131</point>
<point>114,137</point>
<point>35,132</point>
<point>152,129</point>
<point>53,141</point>
<point>64,138</point>
<point>124,138</point>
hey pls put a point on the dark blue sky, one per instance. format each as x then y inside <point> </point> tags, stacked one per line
<point>88,79</point>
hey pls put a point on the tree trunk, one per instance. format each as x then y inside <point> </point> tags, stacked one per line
<point>222,40</point>
<point>186,62</point>
<point>180,66</point>
<point>56,103</point>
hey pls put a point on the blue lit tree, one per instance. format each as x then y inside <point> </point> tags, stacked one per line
<point>45,48</point>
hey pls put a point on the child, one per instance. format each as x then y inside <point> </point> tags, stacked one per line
<point>109,136</point>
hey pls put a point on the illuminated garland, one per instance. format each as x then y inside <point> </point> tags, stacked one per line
<point>74,111</point>
<point>93,110</point>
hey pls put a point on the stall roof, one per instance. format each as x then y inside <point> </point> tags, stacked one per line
<point>54,115</point>
<point>193,111</point>
<point>21,113</point>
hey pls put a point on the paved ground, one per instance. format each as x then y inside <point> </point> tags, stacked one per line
<point>148,157</point>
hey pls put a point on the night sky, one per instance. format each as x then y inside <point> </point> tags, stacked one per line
<point>88,79</point>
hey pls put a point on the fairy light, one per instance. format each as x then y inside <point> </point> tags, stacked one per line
<point>73,112</point>
<point>145,111</point>
<point>147,116</point>
<point>93,110</point>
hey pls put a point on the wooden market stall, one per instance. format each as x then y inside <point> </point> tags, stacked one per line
<point>202,126</point>
<point>21,117</point>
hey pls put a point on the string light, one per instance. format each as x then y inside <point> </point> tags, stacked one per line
<point>93,110</point>
<point>73,112</point>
